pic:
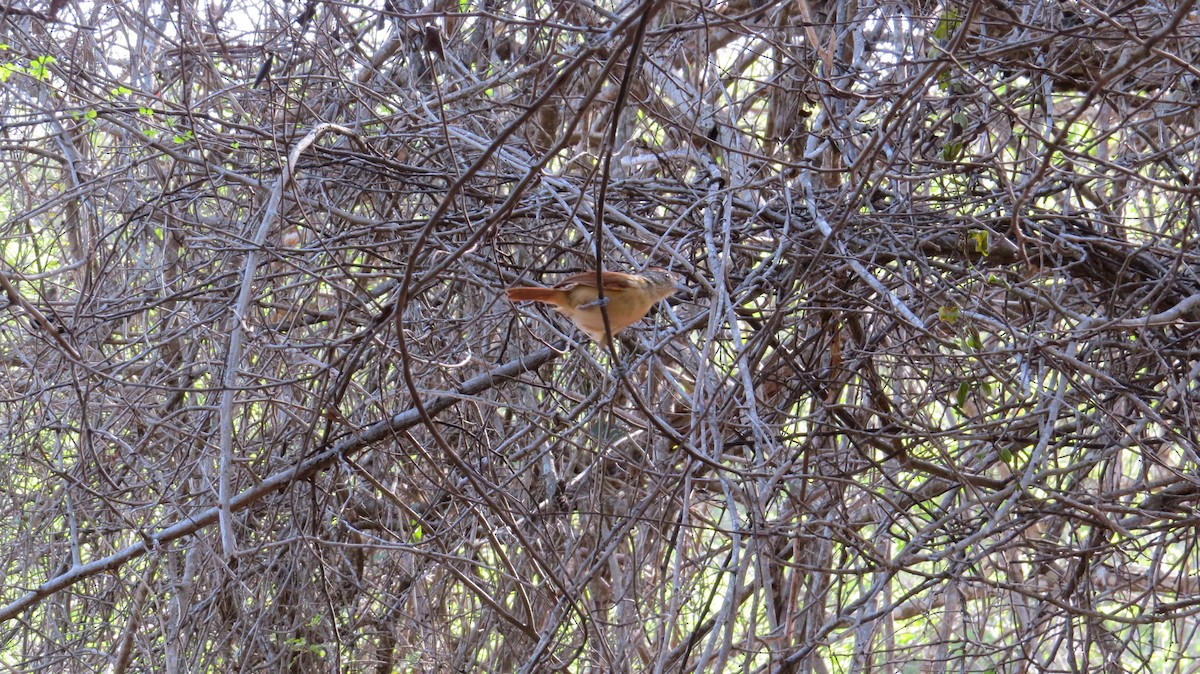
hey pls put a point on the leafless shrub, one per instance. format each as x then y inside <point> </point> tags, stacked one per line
<point>930,406</point>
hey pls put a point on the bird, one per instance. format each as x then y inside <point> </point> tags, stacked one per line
<point>627,298</point>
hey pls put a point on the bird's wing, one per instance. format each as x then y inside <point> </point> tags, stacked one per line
<point>613,280</point>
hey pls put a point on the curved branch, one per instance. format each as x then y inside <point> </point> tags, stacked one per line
<point>376,432</point>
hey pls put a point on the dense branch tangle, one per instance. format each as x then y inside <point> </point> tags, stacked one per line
<point>931,405</point>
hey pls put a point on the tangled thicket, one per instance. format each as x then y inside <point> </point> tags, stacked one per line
<point>930,406</point>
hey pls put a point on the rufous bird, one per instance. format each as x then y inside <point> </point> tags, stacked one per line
<point>628,298</point>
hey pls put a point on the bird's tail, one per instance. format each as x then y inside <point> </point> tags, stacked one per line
<point>546,295</point>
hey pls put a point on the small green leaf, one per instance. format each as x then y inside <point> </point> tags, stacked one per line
<point>960,396</point>
<point>982,239</point>
<point>948,314</point>
<point>39,68</point>
<point>974,342</point>
<point>946,25</point>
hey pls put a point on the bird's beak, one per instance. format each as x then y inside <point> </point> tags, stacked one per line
<point>683,291</point>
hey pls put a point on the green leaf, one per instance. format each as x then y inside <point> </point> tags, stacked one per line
<point>960,396</point>
<point>948,314</point>
<point>39,68</point>
<point>947,24</point>
<point>982,239</point>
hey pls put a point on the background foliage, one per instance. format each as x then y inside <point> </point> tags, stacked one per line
<point>930,407</point>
